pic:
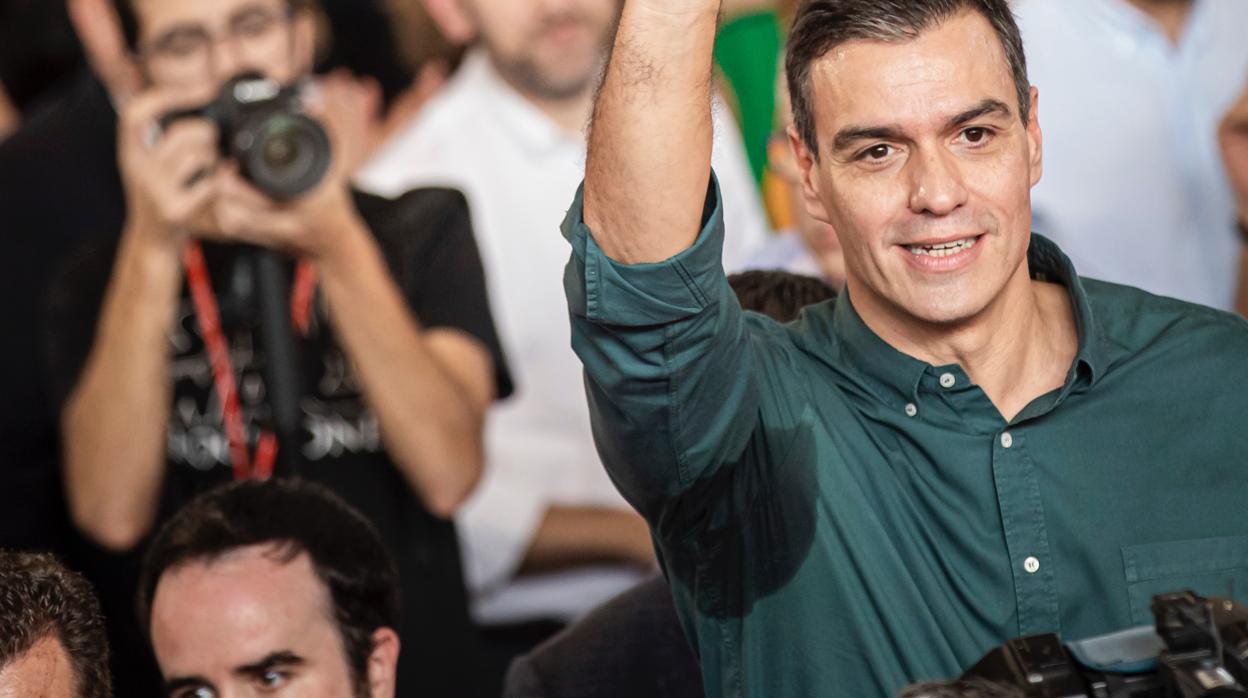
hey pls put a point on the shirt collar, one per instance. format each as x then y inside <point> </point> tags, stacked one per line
<point>899,377</point>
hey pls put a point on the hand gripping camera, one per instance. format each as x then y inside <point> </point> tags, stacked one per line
<point>280,150</point>
<point>1197,649</point>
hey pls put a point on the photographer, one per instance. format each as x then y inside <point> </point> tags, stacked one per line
<point>161,362</point>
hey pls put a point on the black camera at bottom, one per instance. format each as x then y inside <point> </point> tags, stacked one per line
<point>1197,649</point>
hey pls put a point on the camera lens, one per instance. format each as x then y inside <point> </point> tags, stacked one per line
<point>286,154</point>
<point>280,152</point>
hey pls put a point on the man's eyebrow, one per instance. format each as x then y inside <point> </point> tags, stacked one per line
<point>987,107</point>
<point>846,137</point>
<point>249,11</point>
<point>284,658</point>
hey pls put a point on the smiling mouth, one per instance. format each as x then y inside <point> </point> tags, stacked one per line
<point>944,249</point>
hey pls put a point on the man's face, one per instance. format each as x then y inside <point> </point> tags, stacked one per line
<point>548,49</point>
<point>43,671</point>
<point>203,43</point>
<point>248,624</point>
<point>925,171</point>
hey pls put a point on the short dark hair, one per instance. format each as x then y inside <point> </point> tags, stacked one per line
<point>41,599</point>
<point>130,20</point>
<point>295,517</point>
<point>822,25</point>
<point>778,294</point>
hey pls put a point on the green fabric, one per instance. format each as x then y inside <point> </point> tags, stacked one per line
<point>821,541</point>
<point>748,52</point>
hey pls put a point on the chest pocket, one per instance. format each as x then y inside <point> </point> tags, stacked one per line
<point>1207,566</point>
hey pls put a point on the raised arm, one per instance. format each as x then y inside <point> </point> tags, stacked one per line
<point>672,365</point>
<point>649,156</point>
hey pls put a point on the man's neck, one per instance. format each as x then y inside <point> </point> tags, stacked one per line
<point>570,115</point>
<point>1017,349</point>
<point>1171,15</point>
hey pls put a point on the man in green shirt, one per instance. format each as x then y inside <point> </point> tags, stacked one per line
<point>973,443</point>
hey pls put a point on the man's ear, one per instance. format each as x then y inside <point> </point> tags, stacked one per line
<point>99,30</point>
<point>809,177</point>
<point>453,20</point>
<point>383,663</point>
<point>1035,139</point>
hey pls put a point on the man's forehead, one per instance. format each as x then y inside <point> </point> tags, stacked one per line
<point>156,16</point>
<point>958,63</point>
<point>42,670</point>
<point>239,607</point>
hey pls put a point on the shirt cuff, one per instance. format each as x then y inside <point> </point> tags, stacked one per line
<point>611,293</point>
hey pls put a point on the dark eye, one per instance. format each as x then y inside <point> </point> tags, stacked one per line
<point>182,44</point>
<point>270,680</point>
<point>975,135</point>
<point>878,152</point>
<point>253,25</point>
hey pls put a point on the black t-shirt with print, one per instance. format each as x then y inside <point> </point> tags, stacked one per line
<point>426,239</point>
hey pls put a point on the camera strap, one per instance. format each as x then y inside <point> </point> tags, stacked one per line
<point>208,317</point>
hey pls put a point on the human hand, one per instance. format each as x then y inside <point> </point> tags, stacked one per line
<point>1233,137</point>
<point>307,226</point>
<point>170,175</point>
<point>99,31</point>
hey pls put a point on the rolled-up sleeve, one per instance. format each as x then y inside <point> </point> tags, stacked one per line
<point>667,366</point>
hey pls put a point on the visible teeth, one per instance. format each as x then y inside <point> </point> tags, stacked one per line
<point>944,249</point>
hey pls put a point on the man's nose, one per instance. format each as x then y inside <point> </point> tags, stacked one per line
<point>936,185</point>
<point>227,60</point>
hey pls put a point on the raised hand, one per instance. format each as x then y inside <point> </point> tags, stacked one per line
<point>170,175</point>
<point>311,224</point>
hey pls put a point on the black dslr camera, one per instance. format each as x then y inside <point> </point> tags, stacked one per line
<point>279,149</point>
<point>1197,649</point>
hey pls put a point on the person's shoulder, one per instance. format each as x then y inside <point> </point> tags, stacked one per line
<point>1141,326</point>
<point>429,148</point>
<point>416,213</point>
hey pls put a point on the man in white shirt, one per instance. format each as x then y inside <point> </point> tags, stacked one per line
<point>1134,189</point>
<point>546,536</point>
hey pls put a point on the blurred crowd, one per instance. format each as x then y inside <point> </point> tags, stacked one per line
<point>436,391</point>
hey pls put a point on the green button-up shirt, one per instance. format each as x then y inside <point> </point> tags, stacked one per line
<point>837,518</point>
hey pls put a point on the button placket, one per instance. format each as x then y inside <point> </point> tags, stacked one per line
<point>1026,537</point>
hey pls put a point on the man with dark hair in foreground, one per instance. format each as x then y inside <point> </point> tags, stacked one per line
<point>52,642</point>
<point>279,586</point>
<point>972,444</point>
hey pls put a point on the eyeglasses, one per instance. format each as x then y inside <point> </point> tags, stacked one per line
<point>187,51</point>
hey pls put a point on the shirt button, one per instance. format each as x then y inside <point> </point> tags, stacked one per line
<point>911,410</point>
<point>1031,565</point>
<point>1007,440</point>
<point>948,381</point>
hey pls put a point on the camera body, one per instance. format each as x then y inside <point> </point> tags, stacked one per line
<point>280,150</point>
<point>1198,648</point>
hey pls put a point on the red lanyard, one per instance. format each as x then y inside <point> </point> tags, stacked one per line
<point>209,318</point>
